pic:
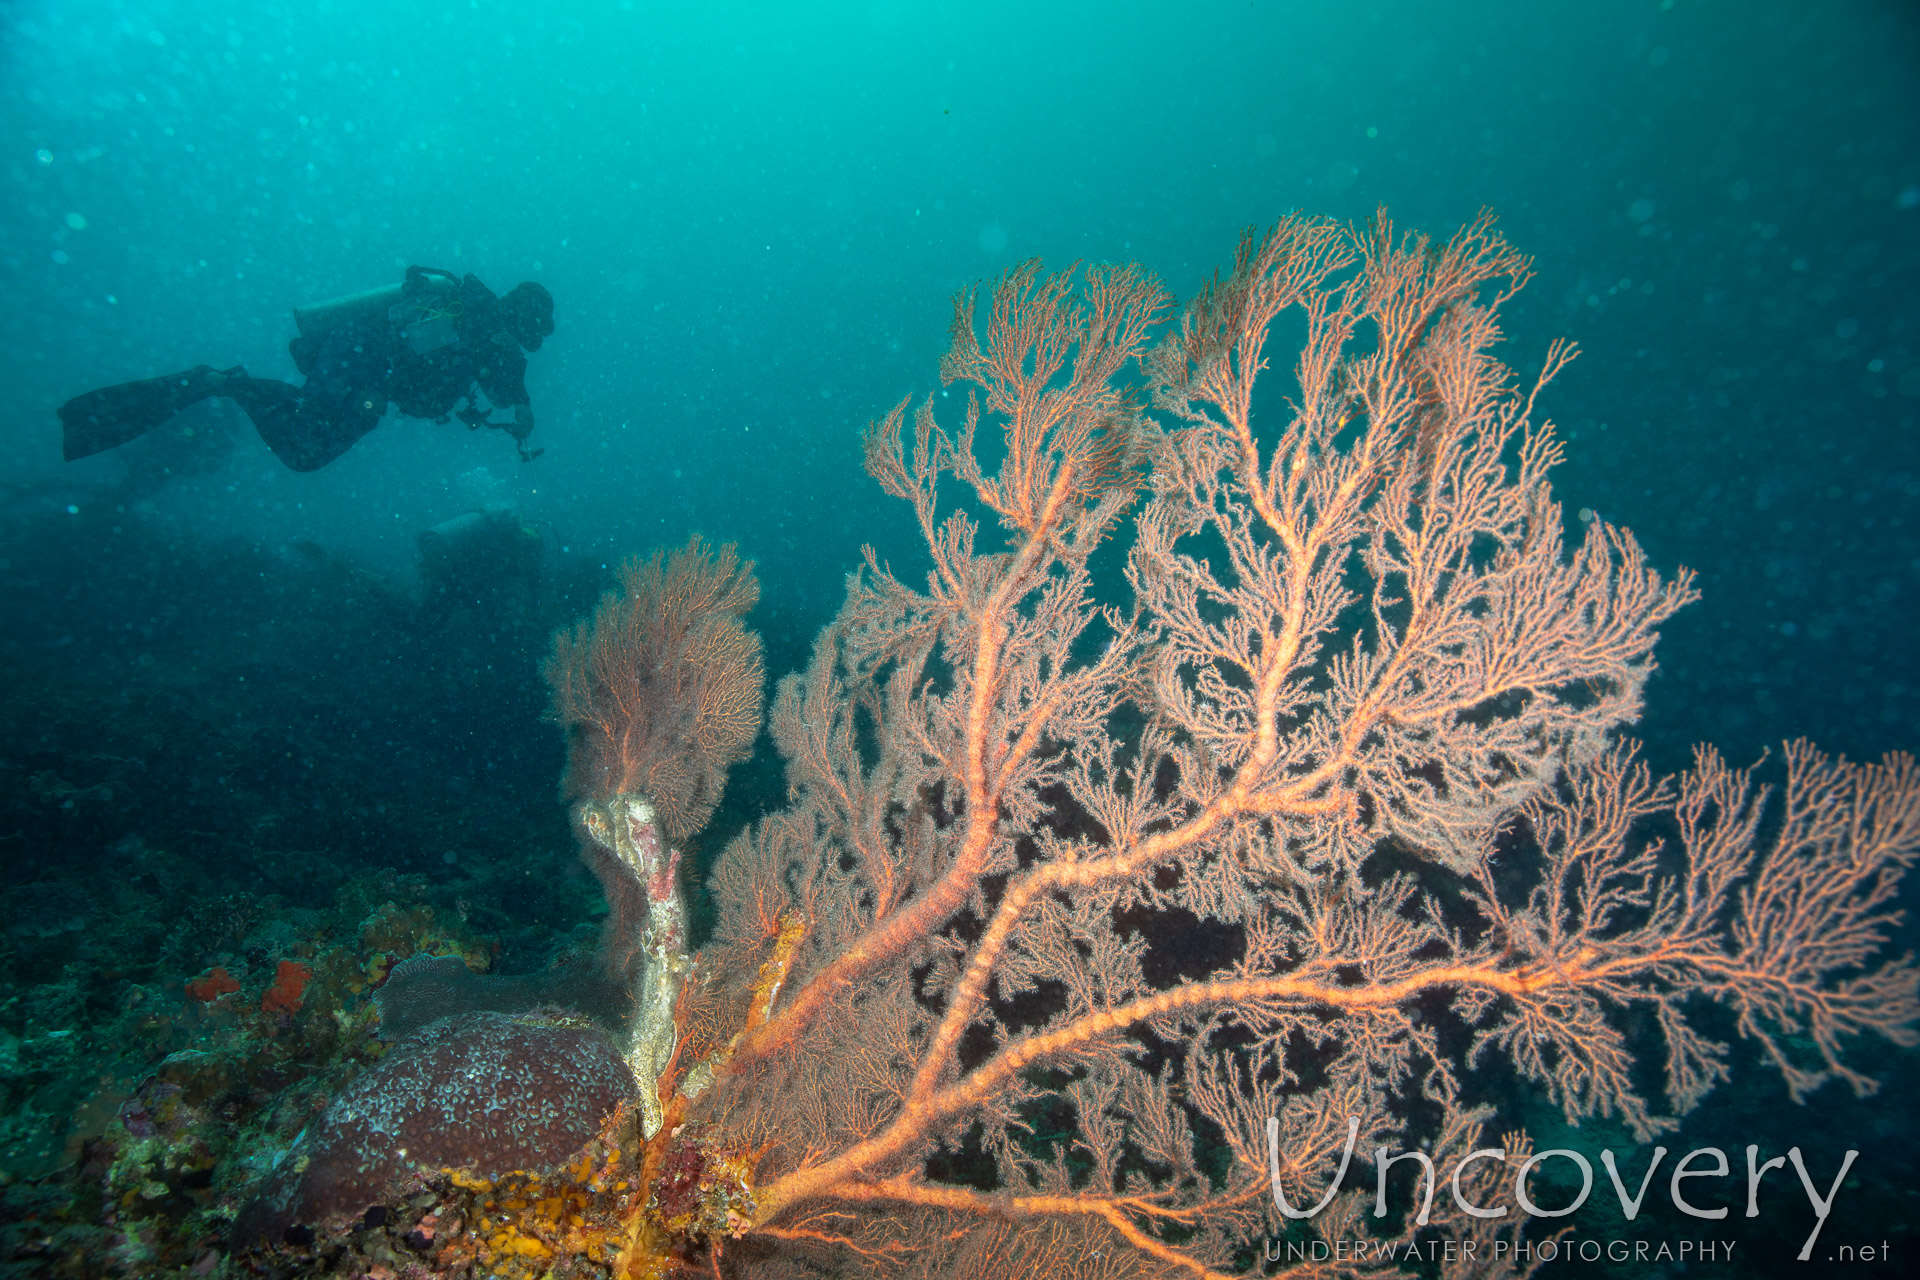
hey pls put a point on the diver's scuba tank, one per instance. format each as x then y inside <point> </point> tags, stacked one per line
<point>419,304</point>
<point>318,319</point>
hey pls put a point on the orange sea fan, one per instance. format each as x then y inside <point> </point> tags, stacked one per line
<point>661,690</point>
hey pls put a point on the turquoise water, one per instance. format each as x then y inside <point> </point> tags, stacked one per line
<point>751,219</point>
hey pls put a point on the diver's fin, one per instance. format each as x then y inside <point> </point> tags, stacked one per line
<point>108,418</point>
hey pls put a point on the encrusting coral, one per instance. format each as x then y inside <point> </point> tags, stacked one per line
<point>489,1094</point>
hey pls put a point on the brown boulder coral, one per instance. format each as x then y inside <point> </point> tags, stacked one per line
<point>485,1094</point>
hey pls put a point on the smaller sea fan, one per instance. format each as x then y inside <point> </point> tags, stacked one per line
<point>661,690</point>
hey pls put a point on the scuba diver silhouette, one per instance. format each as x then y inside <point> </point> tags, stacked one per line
<point>426,344</point>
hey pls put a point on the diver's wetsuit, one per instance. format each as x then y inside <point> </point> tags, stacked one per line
<point>357,367</point>
<point>468,339</point>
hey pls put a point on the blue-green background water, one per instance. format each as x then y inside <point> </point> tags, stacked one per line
<point>751,218</point>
